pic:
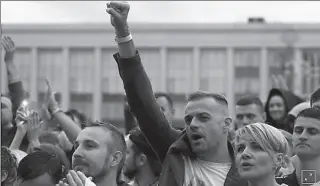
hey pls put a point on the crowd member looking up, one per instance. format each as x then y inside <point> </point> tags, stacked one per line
<point>260,152</point>
<point>306,146</point>
<point>142,164</point>
<point>8,167</point>
<point>99,153</point>
<point>249,109</point>
<point>186,155</point>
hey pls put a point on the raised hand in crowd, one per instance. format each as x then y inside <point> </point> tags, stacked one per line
<point>67,124</point>
<point>119,12</point>
<point>34,126</point>
<point>29,125</point>
<point>76,179</point>
<point>12,71</point>
<point>279,82</point>
<point>9,47</point>
<point>21,123</point>
<point>51,102</point>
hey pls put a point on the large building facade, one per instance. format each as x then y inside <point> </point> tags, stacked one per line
<point>233,59</point>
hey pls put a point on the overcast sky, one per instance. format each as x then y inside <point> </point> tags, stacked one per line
<point>160,12</point>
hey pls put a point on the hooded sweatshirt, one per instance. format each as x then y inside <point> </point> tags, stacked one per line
<point>290,100</point>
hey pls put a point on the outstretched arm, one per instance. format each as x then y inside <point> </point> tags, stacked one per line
<point>137,85</point>
<point>16,90</point>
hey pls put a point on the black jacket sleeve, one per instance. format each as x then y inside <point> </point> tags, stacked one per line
<point>143,104</point>
<point>17,94</point>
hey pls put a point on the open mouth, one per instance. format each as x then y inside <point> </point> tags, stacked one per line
<point>196,136</point>
<point>246,164</point>
<point>301,144</point>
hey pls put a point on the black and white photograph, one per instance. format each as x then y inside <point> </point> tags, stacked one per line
<point>160,93</point>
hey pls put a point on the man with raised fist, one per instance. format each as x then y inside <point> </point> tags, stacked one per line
<point>199,155</point>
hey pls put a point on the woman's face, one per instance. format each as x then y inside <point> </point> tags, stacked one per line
<point>277,108</point>
<point>251,160</point>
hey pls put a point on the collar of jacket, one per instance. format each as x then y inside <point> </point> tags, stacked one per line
<point>182,145</point>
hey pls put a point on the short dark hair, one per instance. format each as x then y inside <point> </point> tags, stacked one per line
<point>52,149</point>
<point>37,163</point>
<point>118,138</point>
<point>203,94</point>
<point>315,96</point>
<point>310,113</point>
<point>8,164</point>
<point>250,99</point>
<point>168,98</point>
<point>72,113</point>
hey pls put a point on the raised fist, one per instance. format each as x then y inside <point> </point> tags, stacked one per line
<point>119,11</point>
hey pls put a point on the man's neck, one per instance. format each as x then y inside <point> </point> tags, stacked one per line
<point>145,176</point>
<point>310,164</point>
<point>218,155</point>
<point>107,180</point>
<point>265,181</point>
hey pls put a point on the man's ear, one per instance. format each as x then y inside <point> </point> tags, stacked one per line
<point>116,158</point>
<point>227,124</point>
<point>4,175</point>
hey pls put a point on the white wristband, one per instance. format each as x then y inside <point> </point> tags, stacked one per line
<point>123,39</point>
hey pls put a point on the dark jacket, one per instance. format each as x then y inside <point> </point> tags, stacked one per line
<point>290,180</point>
<point>167,142</point>
<point>290,100</point>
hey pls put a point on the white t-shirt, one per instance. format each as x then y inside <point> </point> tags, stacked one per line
<point>204,173</point>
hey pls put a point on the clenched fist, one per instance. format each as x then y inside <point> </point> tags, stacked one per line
<point>119,11</point>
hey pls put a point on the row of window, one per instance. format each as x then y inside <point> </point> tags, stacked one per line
<point>111,108</point>
<point>179,68</point>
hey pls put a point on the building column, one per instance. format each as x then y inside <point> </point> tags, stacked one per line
<point>298,72</point>
<point>65,101</point>
<point>196,75</point>
<point>264,74</point>
<point>316,71</point>
<point>33,91</point>
<point>163,54</point>
<point>97,94</point>
<point>230,81</point>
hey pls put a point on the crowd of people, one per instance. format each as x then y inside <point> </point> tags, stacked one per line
<point>271,144</point>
